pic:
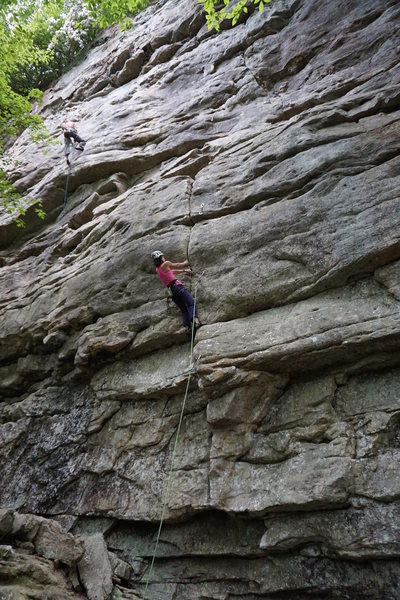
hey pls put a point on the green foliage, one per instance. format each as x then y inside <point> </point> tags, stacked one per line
<point>16,108</point>
<point>107,12</point>
<point>230,10</point>
<point>56,31</point>
<point>13,203</point>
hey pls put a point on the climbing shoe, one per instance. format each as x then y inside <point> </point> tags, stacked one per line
<point>195,329</point>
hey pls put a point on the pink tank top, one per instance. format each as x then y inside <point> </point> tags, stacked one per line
<point>167,277</point>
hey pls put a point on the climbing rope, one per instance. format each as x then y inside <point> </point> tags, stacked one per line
<point>166,496</point>
<point>72,156</point>
<point>66,187</point>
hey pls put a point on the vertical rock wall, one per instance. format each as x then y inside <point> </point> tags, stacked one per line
<point>267,154</point>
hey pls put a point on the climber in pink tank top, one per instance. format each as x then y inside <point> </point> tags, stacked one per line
<point>168,276</point>
<point>166,271</point>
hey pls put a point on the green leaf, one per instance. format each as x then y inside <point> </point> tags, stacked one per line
<point>215,15</point>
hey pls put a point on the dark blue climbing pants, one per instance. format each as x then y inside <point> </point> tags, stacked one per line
<point>185,302</point>
<point>68,136</point>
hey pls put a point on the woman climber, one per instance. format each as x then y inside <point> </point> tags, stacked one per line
<point>183,299</point>
<point>70,132</point>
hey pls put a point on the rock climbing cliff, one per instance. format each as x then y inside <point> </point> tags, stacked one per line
<point>268,155</point>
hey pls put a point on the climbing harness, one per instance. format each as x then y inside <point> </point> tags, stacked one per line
<point>166,496</point>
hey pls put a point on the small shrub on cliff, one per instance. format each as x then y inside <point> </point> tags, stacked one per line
<point>14,204</point>
<point>215,14</point>
<point>108,12</point>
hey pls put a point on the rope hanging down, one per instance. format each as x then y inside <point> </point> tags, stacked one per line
<point>166,496</point>
<point>66,188</point>
<point>74,146</point>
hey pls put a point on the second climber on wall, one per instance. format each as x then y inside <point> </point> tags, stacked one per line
<point>167,271</point>
<point>70,131</point>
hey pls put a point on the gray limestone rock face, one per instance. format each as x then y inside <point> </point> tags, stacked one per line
<point>359,532</point>
<point>268,155</point>
<point>33,562</point>
<point>95,568</point>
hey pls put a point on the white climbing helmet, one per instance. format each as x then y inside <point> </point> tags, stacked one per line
<point>156,255</point>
